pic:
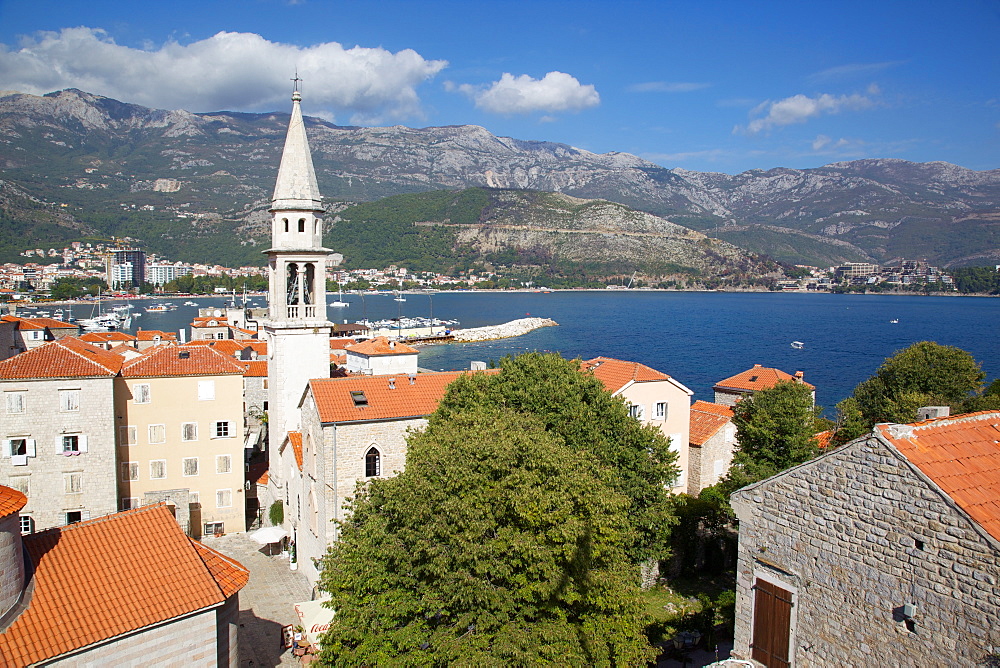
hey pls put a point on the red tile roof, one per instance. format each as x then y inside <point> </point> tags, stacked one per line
<point>104,337</point>
<point>258,473</point>
<point>382,346</point>
<point>39,323</point>
<point>65,358</point>
<point>961,454</point>
<point>230,347</point>
<point>114,575</point>
<point>295,440</point>
<point>181,361</point>
<point>259,346</point>
<point>757,378</point>
<point>706,420</point>
<point>255,369</point>
<point>335,402</point>
<point>616,374</point>
<point>340,344</point>
<point>151,334</point>
<point>11,501</point>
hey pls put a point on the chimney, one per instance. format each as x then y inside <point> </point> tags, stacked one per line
<point>799,377</point>
<point>392,345</point>
<point>756,366</point>
<point>932,412</point>
<point>392,383</point>
<point>413,379</point>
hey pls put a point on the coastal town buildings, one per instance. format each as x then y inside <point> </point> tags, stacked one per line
<point>755,379</point>
<point>124,589</point>
<point>883,551</point>
<point>57,432</point>
<point>712,444</point>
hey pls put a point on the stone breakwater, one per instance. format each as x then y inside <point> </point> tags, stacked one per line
<point>504,331</point>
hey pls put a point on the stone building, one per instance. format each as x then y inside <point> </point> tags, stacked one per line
<point>380,356</point>
<point>126,589</point>
<point>654,398</point>
<point>713,441</point>
<point>734,388</point>
<point>57,436</point>
<point>885,551</point>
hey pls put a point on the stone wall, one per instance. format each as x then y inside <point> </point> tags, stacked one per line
<point>856,534</point>
<point>11,563</point>
<point>702,460</point>
<point>504,331</point>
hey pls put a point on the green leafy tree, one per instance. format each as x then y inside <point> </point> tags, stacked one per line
<point>775,429</point>
<point>637,458</point>
<point>924,374</point>
<point>498,545</point>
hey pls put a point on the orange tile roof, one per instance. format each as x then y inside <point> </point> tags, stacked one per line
<point>407,400</point>
<point>65,358</point>
<point>104,337</point>
<point>757,378</point>
<point>259,346</point>
<point>39,323</point>
<point>181,361</point>
<point>823,439</point>
<point>382,346</point>
<point>616,374</point>
<point>961,454</point>
<point>258,473</point>
<point>198,323</point>
<point>340,344</point>
<point>230,347</point>
<point>706,420</point>
<point>113,575</point>
<point>151,334</point>
<point>295,440</point>
<point>255,369</point>
<point>11,501</point>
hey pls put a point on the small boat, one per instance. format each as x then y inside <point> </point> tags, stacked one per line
<point>157,308</point>
<point>894,321</point>
<point>798,345</point>
<point>339,302</point>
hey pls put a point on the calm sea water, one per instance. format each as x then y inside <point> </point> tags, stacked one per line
<point>698,338</point>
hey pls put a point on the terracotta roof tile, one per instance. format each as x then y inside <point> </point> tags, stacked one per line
<point>181,361</point>
<point>113,575</point>
<point>259,346</point>
<point>11,501</point>
<point>823,439</point>
<point>382,346</point>
<point>616,374</point>
<point>230,575</point>
<point>706,420</point>
<point>258,473</point>
<point>65,358</point>
<point>39,323</point>
<point>340,344</point>
<point>104,337</point>
<point>295,440</point>
<point>757,378</point>
<point>377,400</point>
<point>231,347</point>
<point>255,369</point>
<point>961,454</point>
<point>151,334</point>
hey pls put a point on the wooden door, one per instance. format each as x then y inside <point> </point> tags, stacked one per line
<point>772,624</point>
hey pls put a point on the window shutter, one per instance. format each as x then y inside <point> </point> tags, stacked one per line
<point>6,448</point>
<point>82,442</point>
<point>59,446</point>
<point>30,444</point>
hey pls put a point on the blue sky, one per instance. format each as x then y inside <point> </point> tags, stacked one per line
<point>706,86</point>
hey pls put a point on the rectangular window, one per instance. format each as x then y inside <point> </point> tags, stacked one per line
<point>71,443</point>
<point>190,466</point>
<point>127,435</point>
<point>158,469</point>
<point>224,498</point>
<point>661,410</point>
<point>21,484</point>
<point>189,431</point>
<point>16,402</point>
<point>73,483</point>
<point>635,410</point>
<point>19,449</point>
<point>223,464</point>
<point>74,516</point>
<point>27,525</point>
<point>221,430</point>
<point>194,499</point>
<point>140,393</point>
<point>69,401</point>
<point>206,390</point>
<point>130,471</point>
<point>213,529</point>
<point>130,503</point>
<point>157,433</point>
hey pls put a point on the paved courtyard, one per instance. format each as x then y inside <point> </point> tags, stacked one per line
<point>266,602</point>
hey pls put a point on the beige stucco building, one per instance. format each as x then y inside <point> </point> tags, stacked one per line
<point>179,420</point>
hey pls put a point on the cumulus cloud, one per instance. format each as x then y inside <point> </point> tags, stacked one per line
<point>228,71</point>
<point>556,91</point>
<point>666,87</point>
<point>801,108</point>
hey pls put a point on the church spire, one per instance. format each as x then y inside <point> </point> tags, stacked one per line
<point>296,189</point>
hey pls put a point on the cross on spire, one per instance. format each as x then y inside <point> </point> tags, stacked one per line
<point>296,80</point>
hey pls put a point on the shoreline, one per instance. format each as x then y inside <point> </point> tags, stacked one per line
<point>506,330</point>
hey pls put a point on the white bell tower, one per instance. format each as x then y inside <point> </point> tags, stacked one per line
<point>296,327</point>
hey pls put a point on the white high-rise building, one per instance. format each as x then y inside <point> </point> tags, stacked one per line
<point>296,326</point>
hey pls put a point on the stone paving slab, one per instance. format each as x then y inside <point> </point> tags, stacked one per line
<point>266,602</point>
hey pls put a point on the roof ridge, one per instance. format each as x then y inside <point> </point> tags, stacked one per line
<point>65,345</point>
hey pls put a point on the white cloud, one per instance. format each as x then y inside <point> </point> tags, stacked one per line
<point>666,87</point>
<point>228,71</point>
<point>556,91</point>
<point>800,108</point>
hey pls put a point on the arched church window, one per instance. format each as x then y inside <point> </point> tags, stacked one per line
<point>307,284</point>
<point>286,223</point>
<point>302,224</point>
<point>316,226</point>
<point>313,510</point>
<point>292,284</point>
<point>373,463</point>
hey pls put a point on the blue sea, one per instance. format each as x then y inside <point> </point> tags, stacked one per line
<point>698,338</point>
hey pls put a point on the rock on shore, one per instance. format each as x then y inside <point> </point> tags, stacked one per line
<point>504,331</point>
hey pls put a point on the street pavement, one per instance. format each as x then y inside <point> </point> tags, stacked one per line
<point>266,602</point>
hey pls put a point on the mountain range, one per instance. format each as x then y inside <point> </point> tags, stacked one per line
<point>194,186</point>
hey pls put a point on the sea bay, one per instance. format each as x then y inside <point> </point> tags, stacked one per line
<point>698,338</point>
